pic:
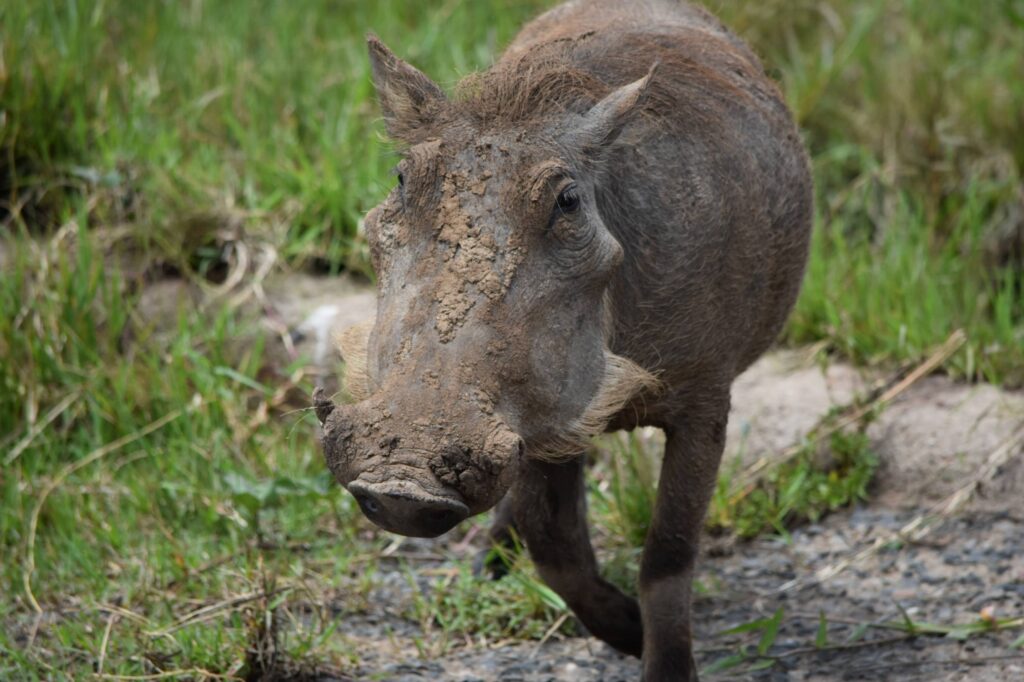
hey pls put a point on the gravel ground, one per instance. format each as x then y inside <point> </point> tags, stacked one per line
<point>969,563</point>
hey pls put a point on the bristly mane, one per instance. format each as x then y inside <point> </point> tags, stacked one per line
<point>529,87</point>
<point>571,75</point>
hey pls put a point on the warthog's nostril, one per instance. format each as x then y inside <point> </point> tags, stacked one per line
<point>402,508</point>
<point>368,504</point>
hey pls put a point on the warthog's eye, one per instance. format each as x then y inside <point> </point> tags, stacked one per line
<point>401,184</point>
<point>568,201</point>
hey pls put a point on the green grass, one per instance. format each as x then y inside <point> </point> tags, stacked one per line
<point>161,112</point>
<point>904,292</point>
<point>461,606</point>
<point>912,115</point>
<point>147,474</point>
<point>815,481</point>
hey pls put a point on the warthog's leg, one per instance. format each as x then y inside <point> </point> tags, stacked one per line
<point>551,515</point>
<point>692,453</point>
<point>500,535</point>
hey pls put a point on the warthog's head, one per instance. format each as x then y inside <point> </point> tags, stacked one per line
<point>490,341</point>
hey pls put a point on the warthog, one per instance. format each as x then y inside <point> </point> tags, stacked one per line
<point>598,232</point>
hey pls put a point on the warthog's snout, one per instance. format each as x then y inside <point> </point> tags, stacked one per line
<point>411,471</point>
<point>405,507</point>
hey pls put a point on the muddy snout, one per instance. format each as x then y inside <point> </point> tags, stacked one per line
<point>406,508</point>
<point>417,475</point>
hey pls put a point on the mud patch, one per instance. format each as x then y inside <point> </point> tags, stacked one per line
<point>939,434</point>
<point>299,314</point>
<point>469,257</point>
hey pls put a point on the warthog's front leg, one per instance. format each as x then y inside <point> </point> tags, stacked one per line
<point>501,535</point>
<point>692,453</point>
<point>551,515</point>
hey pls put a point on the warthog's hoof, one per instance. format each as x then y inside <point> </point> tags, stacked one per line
<point>493,562</point>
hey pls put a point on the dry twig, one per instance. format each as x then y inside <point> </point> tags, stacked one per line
<point>189,673</point>
<point>103,645</point>
<point>547,635</point>
<point>40,426</point>
<point>206,612</point>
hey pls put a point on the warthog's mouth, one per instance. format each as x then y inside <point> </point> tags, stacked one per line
<point>408,474</point>
<point>406,508</point>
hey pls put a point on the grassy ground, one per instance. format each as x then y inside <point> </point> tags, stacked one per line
<point>147,479</point>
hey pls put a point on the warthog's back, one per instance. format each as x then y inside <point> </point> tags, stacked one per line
<point>711,195</point>
<point>572,20</point>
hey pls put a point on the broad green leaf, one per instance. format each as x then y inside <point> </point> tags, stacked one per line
<point>771,630</point>
<point>752,626</point>
<point>726,663</point>
<point>961,633</point>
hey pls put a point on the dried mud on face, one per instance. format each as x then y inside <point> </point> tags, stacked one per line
<point>931,440</point>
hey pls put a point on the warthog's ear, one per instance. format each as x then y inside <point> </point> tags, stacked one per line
<point>408,99</point>
<point>603,123</point>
